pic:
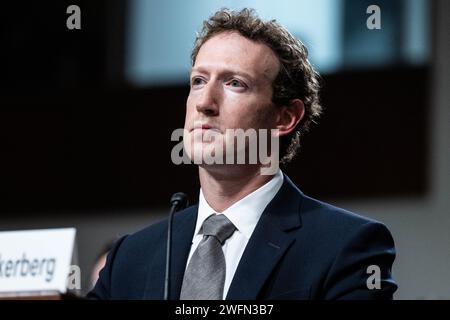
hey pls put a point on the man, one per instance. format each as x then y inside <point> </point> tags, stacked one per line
<point>100,262</point>
<point>252,236</point>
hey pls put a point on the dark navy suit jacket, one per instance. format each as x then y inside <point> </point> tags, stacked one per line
<point>301,248</point>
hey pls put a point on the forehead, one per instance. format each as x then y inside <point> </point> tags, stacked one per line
<point>232,51</point>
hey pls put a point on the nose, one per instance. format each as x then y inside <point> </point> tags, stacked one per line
<point>208,100</point>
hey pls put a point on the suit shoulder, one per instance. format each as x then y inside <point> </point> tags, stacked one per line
<point>156,231</point>
<point>330,216</point>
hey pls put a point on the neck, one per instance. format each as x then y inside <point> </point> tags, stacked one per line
<point>225,186</point>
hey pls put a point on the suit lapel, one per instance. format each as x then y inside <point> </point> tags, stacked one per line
<point>268,243</point>
<point>182,241</point>
<point>183,230</point>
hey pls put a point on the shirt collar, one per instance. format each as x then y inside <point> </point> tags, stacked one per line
<point>245,213</point>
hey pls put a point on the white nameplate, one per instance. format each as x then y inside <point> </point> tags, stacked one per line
<point>35,260</point>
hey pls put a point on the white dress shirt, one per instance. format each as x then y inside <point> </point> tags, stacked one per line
<point>244,214</point>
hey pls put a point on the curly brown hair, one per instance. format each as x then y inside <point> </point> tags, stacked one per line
<point>296,77</point>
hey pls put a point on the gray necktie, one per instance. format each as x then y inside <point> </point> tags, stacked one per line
<point>205,275</point>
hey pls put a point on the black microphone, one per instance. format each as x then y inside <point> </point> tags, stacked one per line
<point>178,202</point>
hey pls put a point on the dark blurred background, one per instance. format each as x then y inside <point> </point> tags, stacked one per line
<point>86,118</point>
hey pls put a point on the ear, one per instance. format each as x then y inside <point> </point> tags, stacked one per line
<point>289,116</point>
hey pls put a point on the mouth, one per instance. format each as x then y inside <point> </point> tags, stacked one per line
<point>204,127</point>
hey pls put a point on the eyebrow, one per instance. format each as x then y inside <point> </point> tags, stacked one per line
<point>226,72</point>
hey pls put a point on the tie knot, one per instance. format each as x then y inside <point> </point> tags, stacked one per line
<point>219,226</point>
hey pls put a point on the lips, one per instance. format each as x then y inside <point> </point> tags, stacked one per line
<point>204,127</point>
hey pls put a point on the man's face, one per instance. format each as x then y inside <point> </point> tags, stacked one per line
<point>230,88</point>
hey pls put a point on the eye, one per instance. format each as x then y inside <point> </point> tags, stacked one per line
<point>197,81</point>
<point>237,84</point>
